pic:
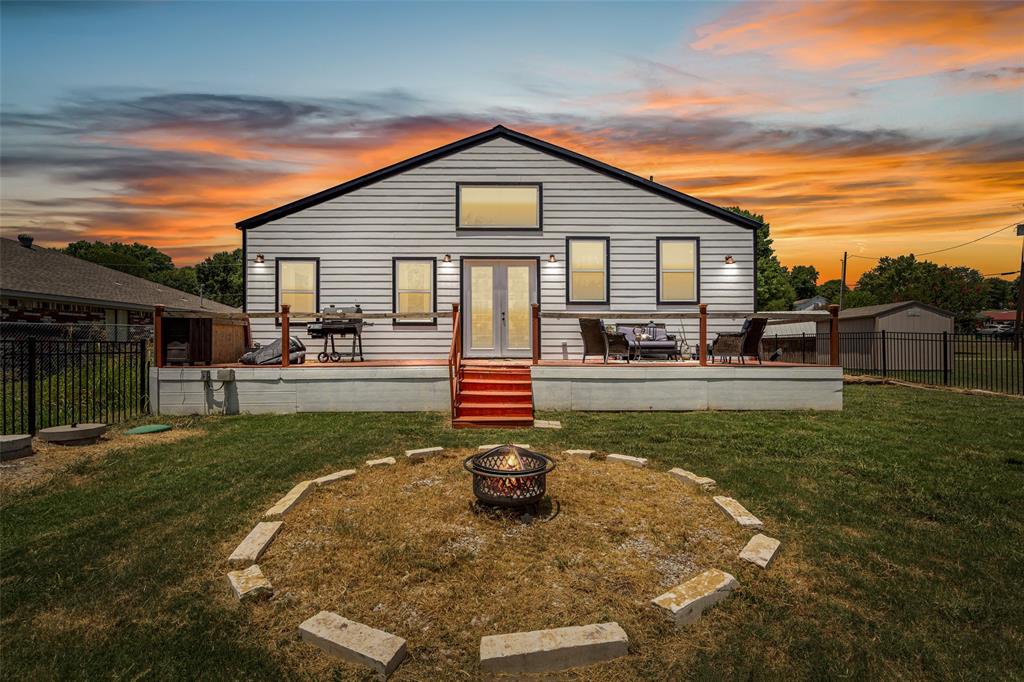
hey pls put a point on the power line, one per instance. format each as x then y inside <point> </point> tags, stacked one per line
<point>948,248</point>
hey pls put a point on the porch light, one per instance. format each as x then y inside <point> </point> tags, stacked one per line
<point>447,258</point>
<point>259,258</point>
<point>729,260</point>
<point>551,258</point>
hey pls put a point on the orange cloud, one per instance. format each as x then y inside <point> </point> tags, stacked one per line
<point>875,39</point>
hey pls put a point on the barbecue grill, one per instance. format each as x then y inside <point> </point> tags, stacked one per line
<point>327,328</point>
<point>509,476</point>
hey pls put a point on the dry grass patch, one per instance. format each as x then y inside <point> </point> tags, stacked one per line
<point>398,548</point>
<point>51,459</point>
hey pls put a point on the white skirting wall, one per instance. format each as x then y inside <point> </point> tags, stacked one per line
<point>687,388</point>
<point>276,390</point>
<point>268,390</point>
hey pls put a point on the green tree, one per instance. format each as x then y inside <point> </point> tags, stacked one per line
<point>773,286</point>
<point>804,279</point>
<point>1000,294</point>
<point>220,277</point>
<point>135,259</point>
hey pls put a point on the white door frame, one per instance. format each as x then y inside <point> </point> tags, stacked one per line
<point>499,288</point>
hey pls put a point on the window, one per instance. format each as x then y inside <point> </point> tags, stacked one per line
<point>483,206</point>
<point>587,270</point>
<point>298,285</point>
<point>678,271</point>
<point>414,288</point>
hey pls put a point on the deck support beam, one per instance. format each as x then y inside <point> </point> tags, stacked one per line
<point>833,335</point>
<point>703,334</point>
<point>158,335</point>
<point>285,334</point>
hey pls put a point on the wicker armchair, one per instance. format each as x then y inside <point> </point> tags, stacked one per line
<point>742,344</point>
<point>599,341</point>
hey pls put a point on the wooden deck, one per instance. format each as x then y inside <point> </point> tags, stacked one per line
<point>440,362</point>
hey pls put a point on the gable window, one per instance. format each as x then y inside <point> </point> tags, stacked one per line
<point>587,269</point>
<point>678,270</point>
<point>498,206</point>
<point>298,285</point>
<point>414,288</point>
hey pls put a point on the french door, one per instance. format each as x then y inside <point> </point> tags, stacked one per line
<point>497,299</point>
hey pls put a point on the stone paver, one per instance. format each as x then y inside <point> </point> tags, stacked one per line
<point>354,642</point>
<point>760,550</point>
<point>255,543</point>
<point>638,462</point>
<point>685,603</point>
<point>423,453</point>
<point>13,446</point>
<point>382,462</point>
<point>250,584</point>
<point>578,453</point>
<point>288,502</point>
<point>550,650</point>
<point>524,446</point>
<point>737,512</point>
<point>334,478</point>
<point>547,424</point>
<point>690,478</point>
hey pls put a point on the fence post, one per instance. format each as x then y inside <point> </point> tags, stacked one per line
<point>834,335</point>
<point>143,379</point>
<point>32,386</point>
<point>158,335</point>
<point>285,335</point>
<point>945,358</point>
<point>803,348</point>
<point>885,356</point>
<point>536,332</point>
<point>703,334</point>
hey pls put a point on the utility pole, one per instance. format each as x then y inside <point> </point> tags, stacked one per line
<point>842,283</point>
<point>1017,328</point>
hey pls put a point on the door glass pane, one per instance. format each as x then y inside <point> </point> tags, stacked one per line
<point>481,299</point>
<point>518,317</point>
<point>678,286</point>
<point>677,255</point>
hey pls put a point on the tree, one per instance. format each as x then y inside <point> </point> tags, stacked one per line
<point>220,277</point>
<point>1000,294</point>
<point>135,259</point>
<point>830,290</point>
<point>773,286</point>
<point>804,279</point>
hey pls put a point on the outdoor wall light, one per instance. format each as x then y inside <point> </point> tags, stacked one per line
<point>447,258</point>
<point>551,258</point>
<point>259,258</point>
<point>729,260</point>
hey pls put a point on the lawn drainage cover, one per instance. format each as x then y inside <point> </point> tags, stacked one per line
<point>148,428</point>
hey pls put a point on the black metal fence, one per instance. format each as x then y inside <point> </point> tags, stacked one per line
<point>48,382</point>
<point>944,359</point>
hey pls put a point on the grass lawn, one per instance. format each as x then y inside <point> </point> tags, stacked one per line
<point>901,517</point>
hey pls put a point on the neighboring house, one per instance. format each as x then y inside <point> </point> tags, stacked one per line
<point>44,285</point>
<point>497,221</point>
<point>992,316</point>
<point>912,335</point>
<point>812,303</point>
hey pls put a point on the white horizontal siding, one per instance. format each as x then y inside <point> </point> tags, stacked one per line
<point>413,214</point>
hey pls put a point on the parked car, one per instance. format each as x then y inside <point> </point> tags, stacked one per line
<point>998,330</point>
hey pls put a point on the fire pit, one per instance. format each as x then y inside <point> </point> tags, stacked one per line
<point>509,476</point>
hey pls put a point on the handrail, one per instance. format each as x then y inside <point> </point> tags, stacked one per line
<point>788,315</point>
<point>455,358</point>
<point>351,316</point>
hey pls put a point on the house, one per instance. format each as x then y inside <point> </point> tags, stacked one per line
<point>812,303</point>
<point>496,221</point>
<point>884,335</point>
<point>46,286</point>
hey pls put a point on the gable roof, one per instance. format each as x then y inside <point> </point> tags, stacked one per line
<point>498,131</point>
<point>887,308</point>
<point>36,272</point>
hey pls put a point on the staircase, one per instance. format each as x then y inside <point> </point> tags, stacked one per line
<point>493,396</point>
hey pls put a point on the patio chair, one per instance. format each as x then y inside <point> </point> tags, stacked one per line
<point>659,343</point>
<point>599,341</point>
<point>742,344</point>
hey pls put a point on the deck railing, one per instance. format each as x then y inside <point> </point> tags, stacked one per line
<point>455,358</point>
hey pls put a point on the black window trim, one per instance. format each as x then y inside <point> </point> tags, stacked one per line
<point>277,285</point>
<point>432,322</point>
<point>499,229</point>
<point>696,265</point>
<point>607,269</point>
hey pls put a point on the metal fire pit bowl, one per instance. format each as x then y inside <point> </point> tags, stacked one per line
<point>509,476</point>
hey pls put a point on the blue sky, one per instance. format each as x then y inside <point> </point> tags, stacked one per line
<point>887,125</point>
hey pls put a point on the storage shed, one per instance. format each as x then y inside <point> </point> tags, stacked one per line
<point>897,336</point>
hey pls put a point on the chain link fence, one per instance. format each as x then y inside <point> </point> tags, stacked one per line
<point>75,331</point>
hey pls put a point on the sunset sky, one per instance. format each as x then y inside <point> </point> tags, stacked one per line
<point>878,128</point>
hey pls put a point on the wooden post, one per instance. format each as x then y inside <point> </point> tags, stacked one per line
<point>285,335</point>
<point>536,333</point>
<point>158,335</point>
<point>834,335</point>
<point>703,334</point>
